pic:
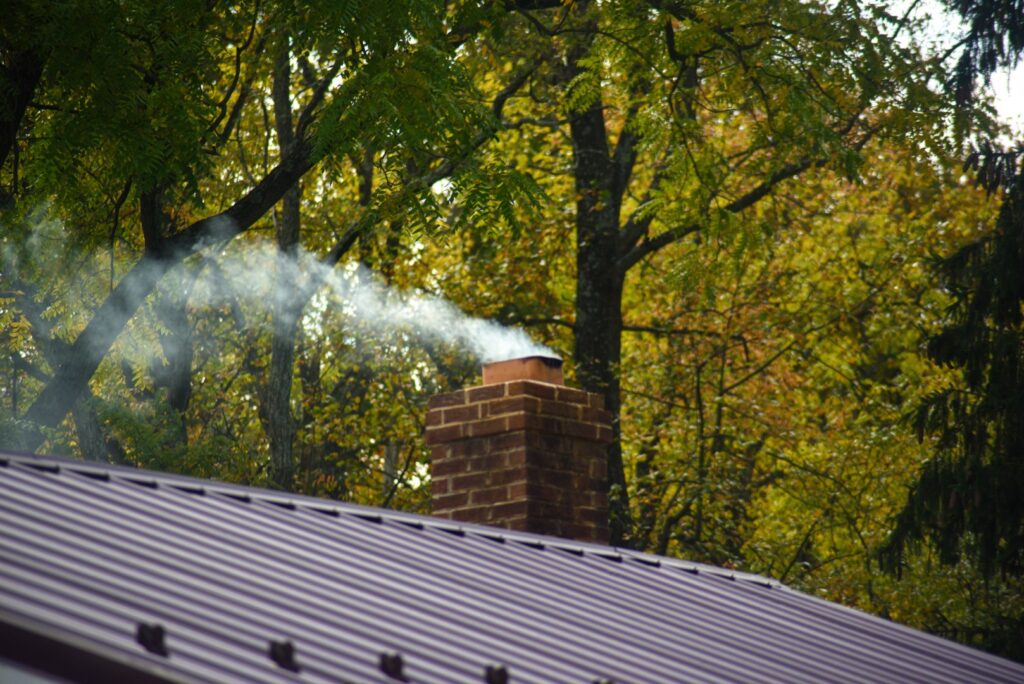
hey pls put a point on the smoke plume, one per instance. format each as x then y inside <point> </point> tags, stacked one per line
<point>256,274</point>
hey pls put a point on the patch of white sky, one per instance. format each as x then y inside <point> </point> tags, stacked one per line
<point>1008,90</point>
<point>941,30</point>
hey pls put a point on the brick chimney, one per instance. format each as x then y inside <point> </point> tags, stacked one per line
<point>522,451</point>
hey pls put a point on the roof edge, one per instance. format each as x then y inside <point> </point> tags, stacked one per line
<point>66,655</point>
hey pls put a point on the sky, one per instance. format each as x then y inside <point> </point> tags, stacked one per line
<point>1009,93</point>
<point>942,29</point>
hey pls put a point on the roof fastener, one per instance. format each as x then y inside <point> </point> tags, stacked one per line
<point>151,638</point>
<point>391,664</point>
<point>283,653</point>
<point>496,674</point>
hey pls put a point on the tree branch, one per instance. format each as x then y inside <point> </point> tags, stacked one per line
<point>643,249</point>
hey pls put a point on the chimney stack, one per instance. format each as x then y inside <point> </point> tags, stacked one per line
<point>522,451</point>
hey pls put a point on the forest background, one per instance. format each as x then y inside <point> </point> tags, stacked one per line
<point>750,225</point>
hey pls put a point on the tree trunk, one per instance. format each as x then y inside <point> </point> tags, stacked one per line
<point>19,76</point>
<point>287,304</point>
<point>600,180</point>
<point>93,444</point>
<point>598,354</point>
<point>91,441</point>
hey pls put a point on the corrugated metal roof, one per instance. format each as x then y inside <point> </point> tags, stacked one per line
<point>105,559</point>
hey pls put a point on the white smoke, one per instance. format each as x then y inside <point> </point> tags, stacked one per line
<point>255,274</point>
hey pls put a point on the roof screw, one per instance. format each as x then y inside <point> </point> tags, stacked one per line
<point>496,674</point>
<point>283,653</point>
<point>151,637</point>
<point>391,664</point>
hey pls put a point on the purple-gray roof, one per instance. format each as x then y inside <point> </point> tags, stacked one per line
<point>120,573</point>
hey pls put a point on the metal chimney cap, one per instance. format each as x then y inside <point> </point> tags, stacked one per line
<point>538,368</point>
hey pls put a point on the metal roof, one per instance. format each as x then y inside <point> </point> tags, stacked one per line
<point>169,578</point>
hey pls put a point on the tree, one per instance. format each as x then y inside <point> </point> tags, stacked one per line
<point>149,102</point>
<point>680,118</point>
<point>967,497</point>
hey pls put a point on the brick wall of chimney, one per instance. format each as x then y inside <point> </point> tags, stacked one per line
<point>524,455</point>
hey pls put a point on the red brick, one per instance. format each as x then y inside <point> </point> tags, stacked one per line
<point>553,494</point>
<point>439,486</point>
<point>508,441</point>
<point>450,399</point>
<point>580,468</point>
<point>591,415</point>
<point>508,475</point>
<point>468,447</point>
<point>581,464</point>
<point>511,405</point>
<point>599,468</point>
<point>529,421</point>
<point>447,433</point>
<point>549,526</point>
<point>596,400</point>
<point>508,510</point>
<point>560,409</point>
<point>594,516</point>
<point>604,434</point>
<point>434,418</point>
<point>489,496</point>
<point>465,483</point>
<point>573,395</point>
<point>518,490</point>
<point>519,524</point>
<point>488,462</point>
<point>491,426</point>
<point>581,430</point>
<point>564,461</point>
<point>518,421</point>
<point>449,466</point>
<point>520,457</point>
<point>587,533</point>
<point>547,460</point>
<point>525,488</point>
<point>550,443</point>
<point>449,502</point>
<point>531,388</point>
<point>588,450</point>
<point>476,514</point>
<point>558,478</point>
<point>461,414</point>
<point>486,392</point>
<point>533,490</point>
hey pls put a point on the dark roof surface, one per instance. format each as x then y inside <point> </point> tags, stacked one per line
<point>89,553</point>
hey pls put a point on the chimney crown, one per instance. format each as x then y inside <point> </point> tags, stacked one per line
<point>540,368</point>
